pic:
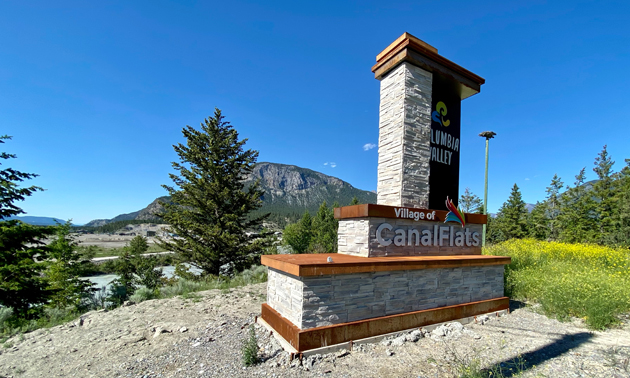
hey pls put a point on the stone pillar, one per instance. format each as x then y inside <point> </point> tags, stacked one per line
<point>404,137</point>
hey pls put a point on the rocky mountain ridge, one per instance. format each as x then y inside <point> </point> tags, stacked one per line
<point>289,191</point>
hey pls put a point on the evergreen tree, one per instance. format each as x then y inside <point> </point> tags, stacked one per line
<point>355,201</point>
<point>538,223</point>
<point>325,227</point>
<point>138,245</point>
<point>471,203</point>
<point>621,216</point>
<point>126,284</point>
<point>603,196</point>
<point>512,217</point>
<point>552,207</point>
<point>67,264</point>
<point>144,267</point>
<point>209,203</point>
<point>22,252</point>
<point>298,235</point>
<point>494,230</point>
<point>577,217</point>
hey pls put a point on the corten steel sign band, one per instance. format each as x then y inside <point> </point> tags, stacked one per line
<point>382,211</point>
<point>318,265</point>
<point>408,48</point>
<point>312,338</point>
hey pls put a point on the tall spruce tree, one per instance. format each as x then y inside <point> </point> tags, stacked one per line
<point>537,222</point>
<point>552,207</point>
<point>209,202</point>
<point>325,227</point>
<point>298,235</point>
<point>621,215</point>
<point>577,216</point>
<point>67,264</point>
<point>22,252</point>
<point>603,194</point>
<point>512,217</point>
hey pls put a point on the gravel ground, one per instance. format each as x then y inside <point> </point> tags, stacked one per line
<point>201,336</point>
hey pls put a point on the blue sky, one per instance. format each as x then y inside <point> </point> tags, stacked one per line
<point>96,93</point>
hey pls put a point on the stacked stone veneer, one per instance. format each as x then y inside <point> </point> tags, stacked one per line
<point>357,237</point>
<point>404,137</point>
<point>318,301</point>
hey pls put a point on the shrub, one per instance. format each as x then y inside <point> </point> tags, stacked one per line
<point>250,348</point>
<point>5,314</point>
<point>254,275</point>
<point>182,287</point>
<point>143,294</point>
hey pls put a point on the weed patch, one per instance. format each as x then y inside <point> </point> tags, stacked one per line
<point>582,280</point>
<point>250,348</point>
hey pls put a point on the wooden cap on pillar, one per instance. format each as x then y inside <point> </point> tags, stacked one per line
<point>408,48</point>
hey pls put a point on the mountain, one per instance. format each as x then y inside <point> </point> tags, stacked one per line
<point>39,221</point>
<point>289,191</point>
<point>290,186</point>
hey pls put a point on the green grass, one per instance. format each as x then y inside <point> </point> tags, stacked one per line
<point>569,280</point>
<point>107,252</point>
<point>183,287</point>
<point>51,317</point>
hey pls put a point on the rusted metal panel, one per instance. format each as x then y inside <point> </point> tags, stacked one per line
<point>317,264</point>
<point>407,43</point>
<point>383,211</point>
<point>283,326</point>
<point>340,333</point>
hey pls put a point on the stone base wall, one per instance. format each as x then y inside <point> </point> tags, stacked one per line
<point>285,295</point>
<point>318,301</point>
<point>357,237</point>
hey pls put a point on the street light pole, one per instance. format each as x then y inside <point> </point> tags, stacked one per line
<point>488,135</point>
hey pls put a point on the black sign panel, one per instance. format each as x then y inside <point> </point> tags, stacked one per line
<point>445,142</point>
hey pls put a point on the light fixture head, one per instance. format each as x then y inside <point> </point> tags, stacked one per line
<point>488,134</point>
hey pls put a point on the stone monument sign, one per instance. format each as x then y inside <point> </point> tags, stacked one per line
<point>412,259</point>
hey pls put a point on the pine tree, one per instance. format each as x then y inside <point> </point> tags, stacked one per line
<point>325,226</point>
<point>552,207</point>
<point>577,215</point>
<point>22,252</point>
<point>138,245</point>
<point>355,201</point>
<point>471,203</point>
<point>144,267</point>
<point>298,235</point>
<point>210,204</point>
<point>512,216</point>
<point>67,264</point>
<point>603,195</point>
<point>621,216</point>
<point>538,223</point>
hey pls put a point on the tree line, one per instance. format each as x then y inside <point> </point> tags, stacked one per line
<point>208,215</point>
<point>314,234</point>
<point>596,212</point>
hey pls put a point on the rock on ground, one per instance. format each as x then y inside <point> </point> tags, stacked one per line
<point>147,340</point>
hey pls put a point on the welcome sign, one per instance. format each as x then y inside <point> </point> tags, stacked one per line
<point>377,230</point>
<point>445,141</point>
